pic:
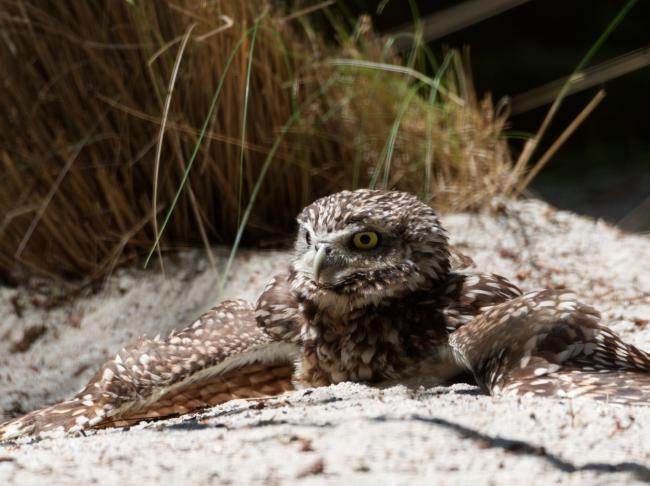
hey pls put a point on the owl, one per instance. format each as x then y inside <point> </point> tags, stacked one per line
<point>370,295</point>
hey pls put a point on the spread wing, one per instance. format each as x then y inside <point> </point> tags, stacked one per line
<point>548,344</point>
<point>221,356</point>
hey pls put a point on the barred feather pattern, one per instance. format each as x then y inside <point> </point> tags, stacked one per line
<point>221,356</point>
<point>547,343</point>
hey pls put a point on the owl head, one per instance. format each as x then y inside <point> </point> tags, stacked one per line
<point>368,245</point>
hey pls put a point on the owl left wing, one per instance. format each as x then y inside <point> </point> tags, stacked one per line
<point>223,355</point>
<point>548,344</point>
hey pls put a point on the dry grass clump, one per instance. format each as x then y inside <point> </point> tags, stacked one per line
<point>103,105</point>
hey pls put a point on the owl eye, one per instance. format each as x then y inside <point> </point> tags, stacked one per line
<point>365,240</point>
<point>307,238</point>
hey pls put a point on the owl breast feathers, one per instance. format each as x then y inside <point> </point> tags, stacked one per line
<point>370,295</point>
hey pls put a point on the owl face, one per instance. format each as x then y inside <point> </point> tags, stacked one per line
<point>369,242</point>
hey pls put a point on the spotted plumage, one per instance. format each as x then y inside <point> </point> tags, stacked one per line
<point>547,343</point>
<point>373,293</point>
<point>190,369</point>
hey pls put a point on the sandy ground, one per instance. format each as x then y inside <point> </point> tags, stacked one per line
<point>347,432</point>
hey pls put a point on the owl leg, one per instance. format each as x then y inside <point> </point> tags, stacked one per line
<point>548,344</point>
<point>223,355</point>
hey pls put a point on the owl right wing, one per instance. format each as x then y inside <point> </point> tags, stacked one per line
<point>547,343</point>
<point>222,355</point>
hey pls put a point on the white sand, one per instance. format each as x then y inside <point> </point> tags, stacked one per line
<point>347,432</point>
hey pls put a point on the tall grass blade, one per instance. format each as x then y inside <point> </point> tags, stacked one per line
<point>199,141</point>
<point>532,144</point>
<point>433,94</point>
<point>389,146</point>
<point>161,134</point>
<point>265,167</point>
<point>247,92</point>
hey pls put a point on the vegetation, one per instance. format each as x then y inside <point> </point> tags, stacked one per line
<point>217,122</point>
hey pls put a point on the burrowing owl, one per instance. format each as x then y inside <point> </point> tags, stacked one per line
<point>370,296</point>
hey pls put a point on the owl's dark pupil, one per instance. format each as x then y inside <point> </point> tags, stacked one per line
<point>308,238</point>
<point>365,239</point>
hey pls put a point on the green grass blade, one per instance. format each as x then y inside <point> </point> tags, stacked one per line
<point>516,135</point>
<point>242,149</point>
<point>392,68</point>
<point>433,94</point>
<point>265,167</point>
<point>389,148</point>
<point>417,34</point>
<point>197,146</point>
<point>596,46</point>
<point>533,144</point>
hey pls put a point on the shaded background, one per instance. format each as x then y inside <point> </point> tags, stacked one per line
<point>603,170</point>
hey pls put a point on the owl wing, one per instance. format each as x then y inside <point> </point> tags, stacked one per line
<point>278,311</point>
<point>548,344</point>
<point>221,356</point>
<point>467,295</point>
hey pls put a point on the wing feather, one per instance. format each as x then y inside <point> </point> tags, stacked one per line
<point>548,344</point>
<point>222,355</point>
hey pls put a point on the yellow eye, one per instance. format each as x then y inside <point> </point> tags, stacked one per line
<point>365,240</point>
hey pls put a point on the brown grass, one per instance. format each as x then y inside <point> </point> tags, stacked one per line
<point>84,97</point>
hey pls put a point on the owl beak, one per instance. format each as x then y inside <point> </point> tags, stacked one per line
<point>318,262</point>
